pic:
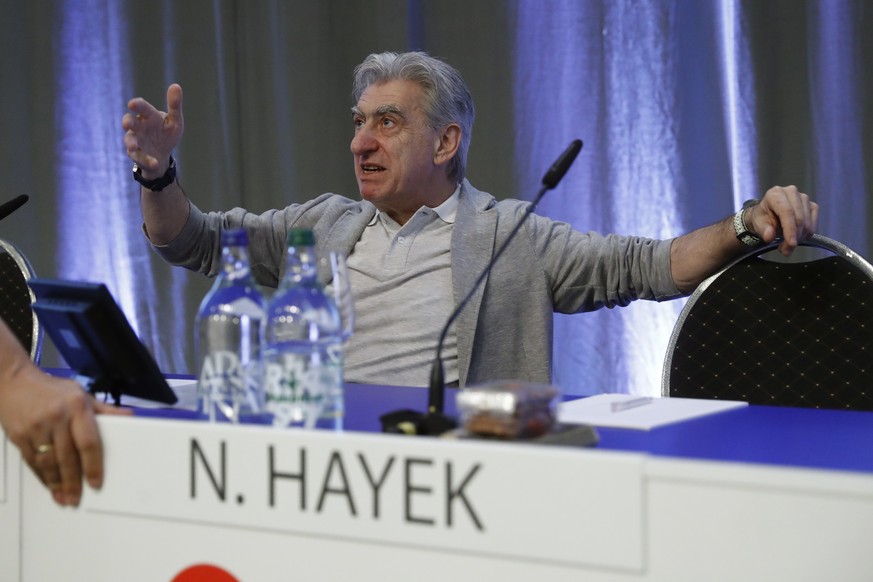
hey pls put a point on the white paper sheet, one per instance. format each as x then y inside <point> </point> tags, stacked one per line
<point>636,412</point>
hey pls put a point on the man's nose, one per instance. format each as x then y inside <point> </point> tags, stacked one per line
<point>363,141</point>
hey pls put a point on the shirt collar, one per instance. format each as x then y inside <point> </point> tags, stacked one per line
<point>447,211</point>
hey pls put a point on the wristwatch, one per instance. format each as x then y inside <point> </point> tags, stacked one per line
<point>746,236</point>
<point>157,184</point>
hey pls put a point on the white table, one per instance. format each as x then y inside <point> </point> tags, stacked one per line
<point>277,505</point>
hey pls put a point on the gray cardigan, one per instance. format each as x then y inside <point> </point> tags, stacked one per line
<point>505,332</point>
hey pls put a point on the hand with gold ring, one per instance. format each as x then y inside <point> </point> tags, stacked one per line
<point>45,466</point>
<point>52,422</point>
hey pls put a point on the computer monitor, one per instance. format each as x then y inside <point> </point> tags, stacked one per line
<point>96,341</point>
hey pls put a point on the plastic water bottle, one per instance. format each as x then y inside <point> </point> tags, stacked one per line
<point>303,357</point>
<point>229,336</point>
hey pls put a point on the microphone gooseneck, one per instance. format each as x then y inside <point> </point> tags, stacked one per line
<point>434,421</point>
<point>8,208</point>
<point>437,390</point>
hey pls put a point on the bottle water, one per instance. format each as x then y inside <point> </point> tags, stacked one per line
<point>303,358</point>
<point>229,334</point>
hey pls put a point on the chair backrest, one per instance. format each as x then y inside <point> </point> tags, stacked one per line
<point>787,334</point>
<point>16,299</point>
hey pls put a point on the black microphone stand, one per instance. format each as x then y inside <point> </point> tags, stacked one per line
<point>434,421</point>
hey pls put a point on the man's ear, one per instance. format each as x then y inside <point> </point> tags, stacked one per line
<point>449,140</point>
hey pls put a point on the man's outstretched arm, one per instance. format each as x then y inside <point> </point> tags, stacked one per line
<point>783,212</point>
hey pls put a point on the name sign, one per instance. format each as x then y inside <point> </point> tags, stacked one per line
<point>503,500</point>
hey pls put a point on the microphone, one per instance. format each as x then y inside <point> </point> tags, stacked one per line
<point>434,422</point>
<point>8,208</point>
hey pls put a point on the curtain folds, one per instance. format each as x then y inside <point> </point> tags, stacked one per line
<point>686,109</point>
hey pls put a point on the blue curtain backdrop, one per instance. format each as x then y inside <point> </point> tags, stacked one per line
<point>687,108</point>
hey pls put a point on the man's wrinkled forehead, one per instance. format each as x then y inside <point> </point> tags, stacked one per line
<point>380,111</point>
<point>398,96</point>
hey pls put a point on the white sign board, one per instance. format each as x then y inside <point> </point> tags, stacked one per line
<point>487,499</point>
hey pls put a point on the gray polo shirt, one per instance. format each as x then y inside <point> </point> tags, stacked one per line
<point>506,330</point>
<point>402,282</point>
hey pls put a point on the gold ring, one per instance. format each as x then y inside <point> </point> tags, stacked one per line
<point>44,448</point>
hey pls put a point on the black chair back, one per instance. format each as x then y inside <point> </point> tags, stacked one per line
<point>787,334</point>
<point>16,299</point>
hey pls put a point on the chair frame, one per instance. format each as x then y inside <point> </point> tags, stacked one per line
<point>815,241</point>
<point>28,273</point>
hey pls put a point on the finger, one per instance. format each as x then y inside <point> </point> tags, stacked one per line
<point>86,437</point>
<point>793,220</point>
<point>55,492</point>
<point>763,218</point>
<point>69,466</point>
<point>808,218</point>
<point>128,121</point>
<point>813,210</point>
<point>46,466</point>
<point>803,214</point>
<point>132,122</point>
<point>789,211</point>
<point>810,215</point>
<point>781,203</point>
<point>104,408</point>
<point>141,107</point>
<point>33,437</point>
<point>134,152</point>
<point>131,143</point>
<point>805,219</point>
<point>174,100</point>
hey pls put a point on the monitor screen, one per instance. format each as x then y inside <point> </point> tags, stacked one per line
<point>96,341</point>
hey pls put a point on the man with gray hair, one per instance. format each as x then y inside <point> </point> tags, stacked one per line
<point>421,234</point>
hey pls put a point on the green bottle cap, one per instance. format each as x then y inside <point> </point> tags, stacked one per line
<point>300,237</point>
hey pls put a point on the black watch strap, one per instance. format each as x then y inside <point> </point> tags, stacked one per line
<point>157,184</point>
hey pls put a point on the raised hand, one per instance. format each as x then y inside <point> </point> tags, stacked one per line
<point>152,135</point>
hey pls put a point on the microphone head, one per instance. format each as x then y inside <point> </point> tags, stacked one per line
<point>562,164</point>
<point>8,208</point>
